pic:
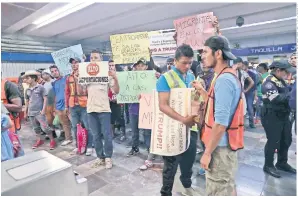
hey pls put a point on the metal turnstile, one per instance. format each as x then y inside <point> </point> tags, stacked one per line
<point>40,174</point>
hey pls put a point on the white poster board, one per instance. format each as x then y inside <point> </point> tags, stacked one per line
<point>61,57</point>
<point>94,73</point>
<point>170,137</point>
<point>162,43</point>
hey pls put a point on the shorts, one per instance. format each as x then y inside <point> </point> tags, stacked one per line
<point>39,123</point>
<point>116,112</point>
<point>220,180</point>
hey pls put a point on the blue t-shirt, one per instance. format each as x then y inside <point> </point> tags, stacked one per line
<point>227,92</point>
<point>162,84</point>
<point>59,89</point>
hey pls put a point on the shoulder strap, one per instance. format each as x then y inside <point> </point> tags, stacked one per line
<point>222,72</point>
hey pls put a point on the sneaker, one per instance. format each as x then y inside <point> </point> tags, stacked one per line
<point>89,151</point>
<point>37,144</point>
<point>98,162</point>
<point>52,145</point>
<point>148,164</point>
<point>189,192</point>
<point>109,163</point>
<point>83,150</point>
<point>66,142</point>
<point>74,152</point>
<point>133,151</point>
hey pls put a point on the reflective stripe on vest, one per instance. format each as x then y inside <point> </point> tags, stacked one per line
<point>80,94</point>
<point>173,80</point>
<point>235,129</point>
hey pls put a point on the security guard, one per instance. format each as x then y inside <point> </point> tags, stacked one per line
<point>275,118</point>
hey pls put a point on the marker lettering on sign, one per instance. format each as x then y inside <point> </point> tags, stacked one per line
<point>160,130</point>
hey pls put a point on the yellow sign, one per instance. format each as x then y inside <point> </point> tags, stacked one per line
<point>129,48</point>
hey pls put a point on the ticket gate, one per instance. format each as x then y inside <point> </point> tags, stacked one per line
<point>41,174</point>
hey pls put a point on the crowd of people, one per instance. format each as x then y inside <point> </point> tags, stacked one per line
<point>55,104</point>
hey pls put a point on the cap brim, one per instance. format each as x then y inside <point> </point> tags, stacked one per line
<point>291,70</point>
<point>229,55</point>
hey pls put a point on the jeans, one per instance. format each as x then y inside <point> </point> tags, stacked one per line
<point>100,126</point>
<point>185,161</point>
<point>39,123</point>
<point>250,109</point>
<point>134,123</point>
<point>79,115</point>
<point>147,139</point>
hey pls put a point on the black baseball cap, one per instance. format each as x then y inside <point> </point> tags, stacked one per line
<point>237,60</point>
<point>283,64</point>
<point>74,59</point>
<point>220,43</point>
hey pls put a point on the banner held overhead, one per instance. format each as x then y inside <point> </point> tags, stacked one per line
<point>129,48</point>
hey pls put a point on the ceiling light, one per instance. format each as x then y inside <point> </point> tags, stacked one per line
<point>59,13</point>
<point>260,23</point>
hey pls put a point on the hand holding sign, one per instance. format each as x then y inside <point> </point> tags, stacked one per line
<point>195,30</point>
<point>93,73</point>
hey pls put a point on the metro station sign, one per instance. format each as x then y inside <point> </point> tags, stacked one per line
<point>264,50</point>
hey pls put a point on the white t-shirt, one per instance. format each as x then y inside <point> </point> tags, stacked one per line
<point>98,99</point>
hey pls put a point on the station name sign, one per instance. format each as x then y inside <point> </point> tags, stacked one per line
<point>264,50</point>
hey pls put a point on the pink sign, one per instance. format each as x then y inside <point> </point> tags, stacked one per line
<point>194,30</point>
<point>146,111</point>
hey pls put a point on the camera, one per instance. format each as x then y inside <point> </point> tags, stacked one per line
<point>239,21</point>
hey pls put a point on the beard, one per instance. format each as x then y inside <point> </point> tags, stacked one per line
<point>213,64</point>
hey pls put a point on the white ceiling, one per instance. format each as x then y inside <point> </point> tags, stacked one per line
<point>98,21</point>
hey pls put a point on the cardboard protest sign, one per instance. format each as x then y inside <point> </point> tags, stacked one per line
<point>129,48</point>
<point>170,137</point>
<point>61,57</point>
<point>145,112</point>
<point>194,30</point>
<point>162,43</point>
<point>94,73</point>
<point>134,83</point>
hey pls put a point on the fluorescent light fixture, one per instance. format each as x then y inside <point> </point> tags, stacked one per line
<point>260,23</point>
<point>61,12</point>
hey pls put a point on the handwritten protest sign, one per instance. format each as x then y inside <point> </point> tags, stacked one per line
<point>194,30</point>
<point>94,73</point>
<point>170,137</point>
<point>61,57</point>
<point>134,83</point>
<point>162,43</point>
<point>129,48</point>
<point>145,112</point>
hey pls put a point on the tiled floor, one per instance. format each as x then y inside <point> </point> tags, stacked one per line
<point>126,179</point>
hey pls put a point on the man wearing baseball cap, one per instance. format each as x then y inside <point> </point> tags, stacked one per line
<point>76,102</point>
<point>275,118</point>
<point>223,119</point>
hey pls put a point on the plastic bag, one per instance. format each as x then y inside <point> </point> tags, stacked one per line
<point>82,136</point>
<point>56,121</point>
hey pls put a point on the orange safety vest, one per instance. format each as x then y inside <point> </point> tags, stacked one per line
<point>15,119</point>
<point>236,128</point>
<point>77,92</point>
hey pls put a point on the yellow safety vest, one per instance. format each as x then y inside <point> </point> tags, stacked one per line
<point>173,80</point>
